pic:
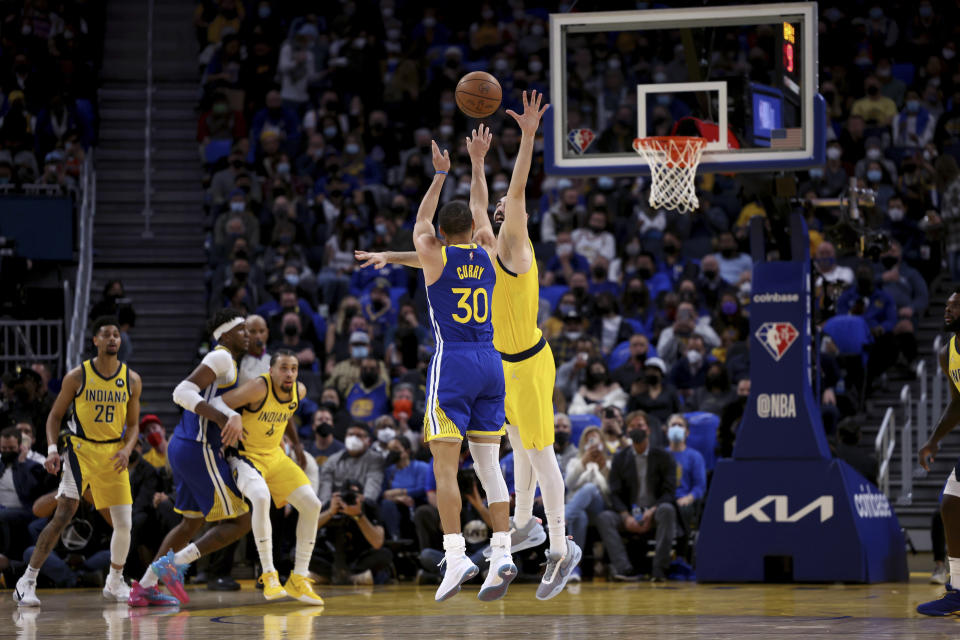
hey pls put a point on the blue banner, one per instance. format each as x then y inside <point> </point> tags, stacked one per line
<point>42,227</point>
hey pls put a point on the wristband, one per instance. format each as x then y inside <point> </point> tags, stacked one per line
<point>443,172</point>
<point>51,449</point>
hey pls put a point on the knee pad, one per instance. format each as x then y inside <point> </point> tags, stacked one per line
<point>486,462</point>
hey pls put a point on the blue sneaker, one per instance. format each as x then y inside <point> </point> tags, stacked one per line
<point>945,605</point>
<point>172,576</point>
<point>559,570</point>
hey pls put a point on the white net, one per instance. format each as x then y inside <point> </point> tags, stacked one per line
<point>673,162</point>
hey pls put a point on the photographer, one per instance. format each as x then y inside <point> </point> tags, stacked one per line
<point>350,540</point>
<point>356,461</point>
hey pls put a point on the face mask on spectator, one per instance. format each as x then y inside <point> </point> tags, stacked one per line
<point>889,262</point>
<point>676,434</point>
<point>895,213</point>
<point>359,351</point>
<point>694,357</point>
<point>237,207</point>
<point>728,307</point>
<point>948,54</point>
<point>501,65</point>
<point>816,173</point>
<point>369,377</point>
<point>353,443</point>
<point>605,183</point>
<point>154,438</point>
<point>913,106</point>
<point>292,278</point>
<point>393,34</point>
<point>330,132</point>
<point>9,457</point>
<point>561,438</point>
<point>834,153</point>
<point>499,186</point>
<point>264,11</point>
<point>380,229</point>
<point>351,148</point>
<point>386,435</point>
<point>572,335</point>
<point>874,175</point>
<point>874,153</point>
<point>537,30</point>
<point>660,77</point>
<point>324,429</point>
<point>393,457</point>
<point>535,66</point>
<point>929,156</point>
<point>283,168</point>
<point>290,330</point>
<point>402,407</point>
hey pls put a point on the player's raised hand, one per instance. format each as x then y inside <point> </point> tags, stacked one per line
<point>441,161</point>
<point>927,454</point>
<point>479,143</point>
<point>529,120</point>
<point>232,430</point>
<point>377,260</point>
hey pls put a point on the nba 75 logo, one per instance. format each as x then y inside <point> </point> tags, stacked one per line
<point>776,337</point>
<point>580,139</point>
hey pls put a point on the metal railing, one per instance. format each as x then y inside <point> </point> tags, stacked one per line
<point>923,415</point>
<point>906,448</point>
<point>937,397</point>
<point>148,131</point>
<point>81,291</point>
<point>884,446</point>
<point>31,341</point>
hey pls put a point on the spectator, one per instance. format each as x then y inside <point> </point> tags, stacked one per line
<point>831,273</point>
<point>563,215</point>
<point>730,418</point>
<point>21,482</point>
<point>913,127</point>
<point>948,188</point>
<point>660,398</point>
<point>850,451</point>
<point>221,123</point>
<point>296,67</point>
<point>875,108</point>
<point>350,539</point>
<point>225,180</point>
<point>691,471</point>
<point>598,390</point>
<point>323,444</point>
<point>632,370</point>
<point>611,427</point>
<point>715,393</point>
<point>569,343</point>
<point>565,260</point>
<point>294,341</point>
<point>608,326</point>
<point>26,443</point>
<point>586,480</point>
<point>675,265</point>
<point>874,153</point>
<point>276,120</point>
<point>563,447</point>
<point>405,487</point>
<point>356,462</point>
<point>735,267</point>
<point>27,405</point>
<point>689,373</point>
<point>347,373</point>
<point>153,432</point>
<point>595,241</point>
<point>409,419</point>
<point>256,361</point>
<point>673,339</point>
<point>643,483</point>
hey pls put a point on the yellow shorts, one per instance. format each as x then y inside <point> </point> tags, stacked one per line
<point>281,474</point>
<point>529,399</point>
<point>88,464</point>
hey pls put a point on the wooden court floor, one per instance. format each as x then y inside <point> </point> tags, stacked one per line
<point>595,610</point>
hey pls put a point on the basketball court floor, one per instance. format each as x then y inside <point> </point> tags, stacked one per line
<point>674,610</point>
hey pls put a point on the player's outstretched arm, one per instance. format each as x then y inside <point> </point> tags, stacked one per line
<point>424,236</point>
<point>949,419</point>
<point>68,391</point>
<point>514,228</point>
<point>477,146</point>
<point>380,259</point>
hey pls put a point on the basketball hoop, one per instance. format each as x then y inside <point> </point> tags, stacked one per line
<point>673,162</point>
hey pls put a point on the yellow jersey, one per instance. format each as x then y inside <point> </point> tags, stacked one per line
<point>264,427</point>
<point>516,303</point>
<point>100,407</point>
<point>954,362</point>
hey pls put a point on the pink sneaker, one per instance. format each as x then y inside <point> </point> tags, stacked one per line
<point>150,596</point>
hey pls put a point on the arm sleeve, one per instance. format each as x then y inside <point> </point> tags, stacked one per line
<point>220,362</point>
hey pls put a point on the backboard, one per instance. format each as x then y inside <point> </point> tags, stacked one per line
<point>744,77</point>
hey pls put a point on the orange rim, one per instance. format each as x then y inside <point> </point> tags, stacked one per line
<point>680,151</point>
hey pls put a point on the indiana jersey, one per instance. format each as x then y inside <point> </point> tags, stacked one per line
<point>100,407</point>
<point>264,427</point>
<point>516,303</point>
<point>954,362</point>
<point>196,427</point>
<point>460,299</point>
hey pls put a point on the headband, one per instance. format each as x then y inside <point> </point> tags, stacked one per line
<point>226,326</point>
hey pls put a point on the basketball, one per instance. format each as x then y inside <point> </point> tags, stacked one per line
<point>478,94</point>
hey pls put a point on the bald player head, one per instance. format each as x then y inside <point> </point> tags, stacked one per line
<point>259,334</point>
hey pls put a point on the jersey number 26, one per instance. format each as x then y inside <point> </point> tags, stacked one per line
<point>473,308</point>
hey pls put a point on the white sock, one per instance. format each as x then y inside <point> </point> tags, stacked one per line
<point>188,554</point>
<point>308,506</point>
<point>31,573</point>
<point>454,545</point>
<point>116,574</point>
<point>547,470</point>
<point>149,579</point>
<point>524,480</point>
<point>500,543</point>
<point>954,572</point>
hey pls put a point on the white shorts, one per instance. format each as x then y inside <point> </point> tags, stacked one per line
<point>68,484</point>
<point>952,488</point>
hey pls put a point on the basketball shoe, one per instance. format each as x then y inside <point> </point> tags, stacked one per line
<point>149,597</point>
<point>301,588</point>
<point>116,589</point>
<point>272,590</point>
<point>25,593</point>
<point>171,575</point>
<point>530,536</point>
<point>501,574</point>
<point>945,605</point>
<point>459,570</point>
<point>559,569</point>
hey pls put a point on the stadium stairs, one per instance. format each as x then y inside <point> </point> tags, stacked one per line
<point>915,517</point>
<point>162,274</point>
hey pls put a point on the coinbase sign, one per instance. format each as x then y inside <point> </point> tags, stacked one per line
<point>782,500</point>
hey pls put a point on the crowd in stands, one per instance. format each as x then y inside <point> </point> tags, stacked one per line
<point>314,133</point>
<point>49,62</point>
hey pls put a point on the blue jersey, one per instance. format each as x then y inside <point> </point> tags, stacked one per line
<point>460,299</point>
<point>195,427</point>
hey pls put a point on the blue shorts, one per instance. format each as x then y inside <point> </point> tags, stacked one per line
<point>465,392</point>
<point>203,481</point>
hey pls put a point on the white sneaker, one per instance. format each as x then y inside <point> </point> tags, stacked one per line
<point>116,589</point>
<point>939,576</point>
<point>560,567</point>
<point>501,574</point>
<point>25,593</point>
<point>365,578</point>
<point>459,570</point>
